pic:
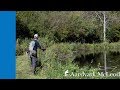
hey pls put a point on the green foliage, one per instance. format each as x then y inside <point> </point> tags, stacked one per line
<point>65,35</point>
<point>19,50</point>
<point>21,46</point>
<point>57,26</point>
<point>62,26</point>
<point>114,34</point>
<point>59,57</point>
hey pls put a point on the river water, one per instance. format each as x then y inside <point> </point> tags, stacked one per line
<point>104,61</point>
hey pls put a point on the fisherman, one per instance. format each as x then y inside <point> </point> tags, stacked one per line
<point>33,46</point>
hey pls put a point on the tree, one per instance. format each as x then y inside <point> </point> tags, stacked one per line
<point>72,26</point>
<point>103,21</point>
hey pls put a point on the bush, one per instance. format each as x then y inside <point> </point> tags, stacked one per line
<point>19,50</point>
<point>59,57</point>
<point>21,46</point>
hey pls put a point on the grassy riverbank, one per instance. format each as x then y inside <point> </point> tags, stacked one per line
<point>59,57</point>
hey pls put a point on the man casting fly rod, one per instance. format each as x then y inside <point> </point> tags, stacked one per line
<point>33,46</point>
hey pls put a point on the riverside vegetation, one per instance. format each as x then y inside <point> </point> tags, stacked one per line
<point>73,42</point>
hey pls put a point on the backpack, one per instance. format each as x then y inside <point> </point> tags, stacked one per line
<point>31,46</point>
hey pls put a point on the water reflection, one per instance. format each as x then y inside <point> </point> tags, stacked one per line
<point>105,61</point>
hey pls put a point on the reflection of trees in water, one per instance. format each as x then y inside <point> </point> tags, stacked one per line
<point>87,59</point>
<point>106,61</point>
<point>114,61</point>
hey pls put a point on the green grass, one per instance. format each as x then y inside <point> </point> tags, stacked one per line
<point>58,58</point>
<point>54,71</point>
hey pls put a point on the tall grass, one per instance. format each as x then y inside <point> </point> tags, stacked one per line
<point>59,57</point>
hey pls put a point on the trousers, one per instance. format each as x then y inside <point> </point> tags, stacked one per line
<point>33,63</point>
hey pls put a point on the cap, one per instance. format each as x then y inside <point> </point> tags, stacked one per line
<point>36,36</point>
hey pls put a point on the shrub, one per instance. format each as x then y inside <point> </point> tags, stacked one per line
<point>19,50</point>
<point>21,46</point>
